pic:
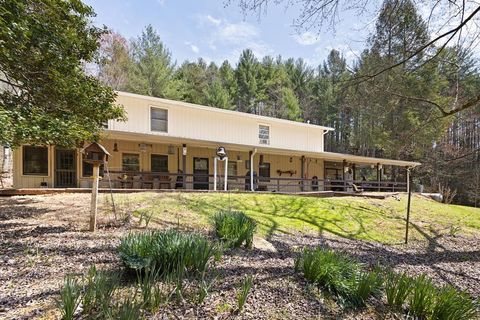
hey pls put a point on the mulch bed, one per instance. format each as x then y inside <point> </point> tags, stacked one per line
<point>43,238</point>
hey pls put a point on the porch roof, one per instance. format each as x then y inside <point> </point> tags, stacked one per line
<point>330,156</point>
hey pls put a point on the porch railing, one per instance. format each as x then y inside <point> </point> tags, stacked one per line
<point>152,180</point>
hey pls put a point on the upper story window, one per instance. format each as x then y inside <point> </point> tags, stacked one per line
<point>159,119</point>
<point>264,134</point>
<point>35,161</point>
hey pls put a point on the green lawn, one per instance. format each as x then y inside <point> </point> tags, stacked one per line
<point>351,217</point>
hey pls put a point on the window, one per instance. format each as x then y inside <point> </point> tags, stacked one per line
<point>130,162</point>
<point>264,134</point>
<point>159,163</point>
<point>159,119</point>
<point>232,168</point>
<point>264,171</point>
<point>35,161</point>
<point>87,168</point>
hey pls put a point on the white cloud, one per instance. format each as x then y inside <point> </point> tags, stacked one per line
<point>307,38</point>
<point>193,47</point>
<point>208,19</point>
<point>237,32</point>
<point>214,20</point>
<point>228,39</point>
<point>161,2</point>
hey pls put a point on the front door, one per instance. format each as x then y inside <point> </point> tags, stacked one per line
<point>200,173</point>
<point>65,168</point>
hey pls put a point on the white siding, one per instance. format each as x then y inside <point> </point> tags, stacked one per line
<point>210,124</point>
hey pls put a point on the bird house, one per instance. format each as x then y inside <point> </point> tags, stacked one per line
<point>95,153</point>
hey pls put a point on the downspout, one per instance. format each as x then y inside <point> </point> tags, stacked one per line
<point>252,154</point>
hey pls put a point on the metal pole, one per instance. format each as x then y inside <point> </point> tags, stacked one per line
<point>215,159</point>
<point>226,174</point>
<point>408,205</point>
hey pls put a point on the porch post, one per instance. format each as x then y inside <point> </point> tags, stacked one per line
<point>215,159</point>
<point>252,154</point>
<point>302,172</point>
<point>343,174</point>
<point>379,178</point>
<point>184,165</point>
<point>226,174</point>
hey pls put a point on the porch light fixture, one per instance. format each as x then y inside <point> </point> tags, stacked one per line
<point>184,150</point>
<point>143,147</point>
<point>115,147</point>
<point>171,149</point>
<point>291,159</point>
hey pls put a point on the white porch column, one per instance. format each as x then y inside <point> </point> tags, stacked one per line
<point>226,174</point>
<point>215,159</point>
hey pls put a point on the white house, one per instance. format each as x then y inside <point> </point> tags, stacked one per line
<point>167,144</point>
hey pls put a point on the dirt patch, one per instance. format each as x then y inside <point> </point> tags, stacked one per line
<point>44,238</point>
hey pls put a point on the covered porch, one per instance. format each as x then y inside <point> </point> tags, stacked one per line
<point>154,162</point>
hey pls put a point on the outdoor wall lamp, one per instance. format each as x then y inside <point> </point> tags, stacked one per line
<point>115,147</point>
<point>171,149</point>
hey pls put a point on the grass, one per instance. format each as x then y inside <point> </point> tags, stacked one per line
<point>234,228</point>
<point>70,297</point>
<point>333,271</point>
<point>243,292</point>
<point>350,217</point>
<point>169,252</point>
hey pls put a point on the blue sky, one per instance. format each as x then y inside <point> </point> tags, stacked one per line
<point>208,29</point>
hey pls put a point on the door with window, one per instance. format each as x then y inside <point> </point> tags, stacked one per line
<point>65,168</point>
<point>200,173</point>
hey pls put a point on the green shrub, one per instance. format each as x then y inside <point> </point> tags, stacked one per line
<point>422,297</point>
<point>242,294</point>
<point>170,251</point>
<point>234,228</point>
<point>150,288</point>
<point>397,288</point>
<point>333,271</point>
<point>70,297</point>
<point>451,304</point>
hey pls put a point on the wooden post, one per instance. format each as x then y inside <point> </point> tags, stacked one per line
<point>302,173</point>
<point>379,177</point>
<point>344,164</point>
<point>93,205</point>
<point>184,165</point>
<point>408,205</point>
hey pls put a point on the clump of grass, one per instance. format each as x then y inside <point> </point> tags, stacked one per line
<point>422,298</point>
<point>129,309</point>
<point>170,251</point>
<point>452,304</point>
<point>150,288</point>
<point>234,228</point>
<point>70,297</point>
<point>365,284</point>
<point>98,291</point>
<point>397,288</point>
<point>242,294</point>
<point>328,269</point>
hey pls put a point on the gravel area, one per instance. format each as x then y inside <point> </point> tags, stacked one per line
<point>44,238</point>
